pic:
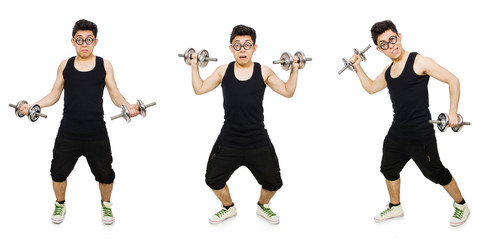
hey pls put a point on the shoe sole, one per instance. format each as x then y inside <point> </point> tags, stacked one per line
<point>382,220</point>
<point>108,223</point>
<point>217,222</point>
<point>269,221</point>
<point>57,221</point>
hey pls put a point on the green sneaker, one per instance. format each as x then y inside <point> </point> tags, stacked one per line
<point>59,213</point>
<point>107,215</point>
<point>394,212</point>
<point>223,214</point>
<point>461,214</point>
<point>265,212</point>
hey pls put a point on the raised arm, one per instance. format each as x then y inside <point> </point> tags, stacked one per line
<point>369,85</point>
<point>114,92</point>
<point>286,89</point>
<point>210,83</point>
<point>425,65</point>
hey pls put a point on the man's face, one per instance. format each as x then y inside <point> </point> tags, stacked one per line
<point>242,55</point>
<point>84,42</point>
<point>390,44</point>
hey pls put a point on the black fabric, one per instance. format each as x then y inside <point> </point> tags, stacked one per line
<point>410,101</point>
<point>66,152</point>
<point>227,207</point>
<point>393,205</point>
<point>397,154</point>
<point>83,104</point>
<point>243,112</point>
<point>262,162</point>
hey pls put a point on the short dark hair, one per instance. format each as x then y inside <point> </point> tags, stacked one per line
<point>380,27</point>
<point>85,25</point>
<point>243,30</point>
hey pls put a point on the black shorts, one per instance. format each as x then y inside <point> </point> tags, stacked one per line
<point>262,162</point>
<point>66,152</point>
<point>426,156</point>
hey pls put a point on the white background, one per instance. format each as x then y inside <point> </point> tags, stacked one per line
<point>328,137</point>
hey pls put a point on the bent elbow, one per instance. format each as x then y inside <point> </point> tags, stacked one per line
<point>198,92</point>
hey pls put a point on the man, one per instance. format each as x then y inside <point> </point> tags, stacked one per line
<point>82,130</point>
<point>243,140</point>
<point>411,136</point>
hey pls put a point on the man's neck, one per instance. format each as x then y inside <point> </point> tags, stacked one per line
<point>244,66</point>
<point>90,58</point>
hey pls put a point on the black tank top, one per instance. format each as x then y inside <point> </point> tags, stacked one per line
<point>410,102</point>
<point>243,112</point>
<point>83,111</point>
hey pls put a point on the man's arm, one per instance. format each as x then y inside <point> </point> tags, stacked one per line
<point>54,95</point>
<point>114,92</point>
<point>369,85</point>
<point>210,83</point>
<point>425,65</point>
<point>286,89</point>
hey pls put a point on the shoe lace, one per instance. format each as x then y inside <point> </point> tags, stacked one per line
<point>385,212</point>
<point>269,212</point>
<point>107,212</point>
<point>458,213</point>
<point>58,210</point>
<point>221,212</point>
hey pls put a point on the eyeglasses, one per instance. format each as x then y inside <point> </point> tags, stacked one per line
<point>385,45</point>
<point>238,46</point>
<point>88,40</point>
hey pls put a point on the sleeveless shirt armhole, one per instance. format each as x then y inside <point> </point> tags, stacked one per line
<point>414,61</point>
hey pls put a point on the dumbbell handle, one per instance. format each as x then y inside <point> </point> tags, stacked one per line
<point>207,59</point>
<point>120,115</point>
<point>365,49</point>
<point>211,59</point>
<point>150,104</point>
<point>343,69</point>
<point>37,114</point>
<point>41,115</point>
<point>283,61</point>
<point>439,122</point>
<point>116,116</point>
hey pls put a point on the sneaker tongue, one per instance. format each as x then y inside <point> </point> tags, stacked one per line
<point>107,204</point>
<point>459,206</point>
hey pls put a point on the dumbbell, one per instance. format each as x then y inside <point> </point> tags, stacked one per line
<point>125,111</point>
<point>286,60</point>
<point>202,57</point>
<point>443,122</point>
<point>348,64</point>
<point>33,111</point>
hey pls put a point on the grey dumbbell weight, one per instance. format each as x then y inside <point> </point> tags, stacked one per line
<point>33,112</point>
<point>348,64</point>
<point>202,57</point>
<point>443,122</point>
<point>125,111</point>
<point>286,60</point>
